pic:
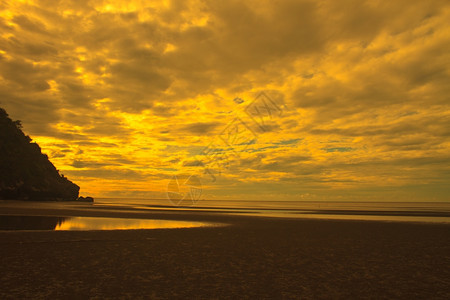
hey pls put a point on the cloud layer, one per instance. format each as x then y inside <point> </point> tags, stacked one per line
<point>123,95</point>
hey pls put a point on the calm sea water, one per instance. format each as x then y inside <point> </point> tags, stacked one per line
<point>383,211</point>
<point>386,211</point>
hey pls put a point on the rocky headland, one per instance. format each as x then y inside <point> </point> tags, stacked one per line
<point>25,172</point>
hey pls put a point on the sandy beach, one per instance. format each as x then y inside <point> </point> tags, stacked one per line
<point>251,257</point>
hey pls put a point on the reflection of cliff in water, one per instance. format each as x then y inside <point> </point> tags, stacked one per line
<point>30,222</point>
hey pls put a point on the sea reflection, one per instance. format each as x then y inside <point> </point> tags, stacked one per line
<point>86,223</point>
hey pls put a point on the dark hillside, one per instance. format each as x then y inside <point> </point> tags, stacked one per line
<point>26,173</point>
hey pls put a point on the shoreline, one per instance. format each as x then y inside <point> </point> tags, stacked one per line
<point>254,257</point>
<point>70,209</point>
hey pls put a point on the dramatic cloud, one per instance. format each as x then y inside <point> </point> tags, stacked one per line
<point>122,95</point>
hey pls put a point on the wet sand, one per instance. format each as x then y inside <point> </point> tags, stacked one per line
<point>252,257</point>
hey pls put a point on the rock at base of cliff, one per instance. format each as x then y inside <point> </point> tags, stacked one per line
<point>85,199</point>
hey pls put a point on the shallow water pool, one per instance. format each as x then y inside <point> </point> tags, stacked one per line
<point>90,223</point>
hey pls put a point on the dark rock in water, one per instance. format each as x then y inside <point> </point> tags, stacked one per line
<point>26,173</point>
<point>85,199</point>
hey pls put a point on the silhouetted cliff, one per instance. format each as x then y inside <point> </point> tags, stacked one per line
<point>26,173</point>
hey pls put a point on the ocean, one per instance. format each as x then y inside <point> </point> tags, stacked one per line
<point>382,211</point>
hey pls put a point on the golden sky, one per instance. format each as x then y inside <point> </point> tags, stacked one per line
<point>123,95</point>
